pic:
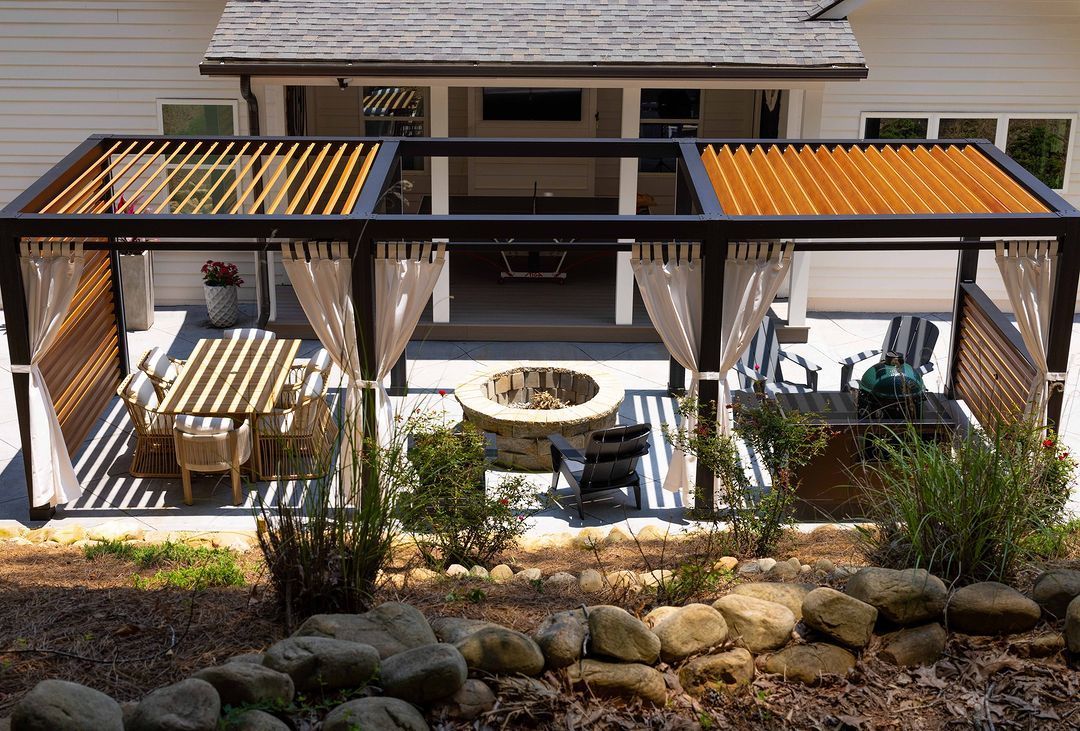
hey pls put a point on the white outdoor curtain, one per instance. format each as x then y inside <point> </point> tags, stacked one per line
<point>671,292</point>
<point>51,273</point>
<point>1027,268</point>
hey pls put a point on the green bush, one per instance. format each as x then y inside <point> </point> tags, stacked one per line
<point>456,519</point>
<point>966,510</point>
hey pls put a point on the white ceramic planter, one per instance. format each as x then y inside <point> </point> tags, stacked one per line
<point>137,277</point>
<point>222,305</point>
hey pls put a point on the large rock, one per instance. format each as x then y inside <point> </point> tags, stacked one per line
<point>390,628</point>
<point>908,597</point>
<point>615,633</point>
<point>190,705</point>
<point>561,637</point>
<point>840,617</point>
<point>990,608</point>
<point>424,675</point>
<point>256,720</point>
<point>455,629</point>
<point>1072,626</point>
<point>1054,590</point>
<point>501,651</point>
<point>501,573</point>
<point>657,615</point>
<point>722,671</point>
<point>689,631</point>
<point>628,680</point>
<point>758,624</point>
<point>591,581</point>
<point>323,663</point>
<point>245,683</point>
<point>782,571</point>
<point>789,595</point>
<point>375,714</point>
<point>809,663</point>
<point>58,704</point>
<point>471,699</point>
<point>913,646</point>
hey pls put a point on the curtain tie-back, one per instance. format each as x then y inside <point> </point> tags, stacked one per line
<point>708,376</point>
<point>21,367</point>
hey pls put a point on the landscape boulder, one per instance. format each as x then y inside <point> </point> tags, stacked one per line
<point>591,581</point>
<point>256,720</point>
<point>721,671</point>
<point>913,646</point>
<point>561,636</point>
<point>375,714</point>
<point>473,698</point>
<point>839,617</point>
<point>323,663</point>
<point>809,663</point>
<point>615,633</point>
<point>245,683</point>
<point>990,608</point>
<point>501,651</point>
<point>657,615</point>
<point>423,675</point>
<point>390,628</point>
<point>692,629</point>
<point>907,597</point>
<point>1072,626</point>
<point>190,705</point>
<point>782,571</point>
<point>627,680</point>
<point>1054,589</point>
<point>59,704</point>
<point>501,573</point>
<point>455,629</point>
<point>758,624</point>
<point>789,595</point>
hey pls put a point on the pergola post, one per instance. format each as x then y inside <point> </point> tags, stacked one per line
<point>714,262</point>
<point>363,293</point>
<point>440,195</point>
<point>628,183</point>
<point>1062,312</point>
<point>17,322</point>
<point>118,311</point>
<point>967,265</point>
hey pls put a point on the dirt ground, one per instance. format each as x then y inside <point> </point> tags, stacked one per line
<point>62,615</point>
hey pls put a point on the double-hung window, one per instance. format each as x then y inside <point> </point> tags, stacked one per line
<point>196,186</point>
<point>1041,143</point>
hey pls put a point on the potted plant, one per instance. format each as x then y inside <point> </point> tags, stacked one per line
<point>220,282</point>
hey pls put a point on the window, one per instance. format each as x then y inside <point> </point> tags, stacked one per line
<point>395,111</point>
<point>668,114</point>
<point>204,118</point>
<point>1041,143</point>
<point>539,105</point>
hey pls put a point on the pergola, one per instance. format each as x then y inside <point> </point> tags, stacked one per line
<point>117,193</point>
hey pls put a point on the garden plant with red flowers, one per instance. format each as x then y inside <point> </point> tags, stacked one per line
<point>220,274</point>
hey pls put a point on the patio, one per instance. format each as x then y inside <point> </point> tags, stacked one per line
<point>642,368</point>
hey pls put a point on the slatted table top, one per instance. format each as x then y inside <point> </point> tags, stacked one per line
<point>224,377</point>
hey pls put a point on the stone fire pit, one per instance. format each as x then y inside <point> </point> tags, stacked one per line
<point>493,400</point>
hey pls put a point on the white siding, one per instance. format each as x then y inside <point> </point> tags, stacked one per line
<point>959,56</point>
<point>70,69</point>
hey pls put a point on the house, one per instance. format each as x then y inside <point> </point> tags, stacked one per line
<point>1001,69</point>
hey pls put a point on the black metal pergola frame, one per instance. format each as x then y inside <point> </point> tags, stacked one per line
<point>698,217</point>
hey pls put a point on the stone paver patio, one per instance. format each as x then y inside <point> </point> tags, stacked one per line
<point>642,370</point>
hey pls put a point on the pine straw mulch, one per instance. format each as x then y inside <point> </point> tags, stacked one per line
<point>63,616</point>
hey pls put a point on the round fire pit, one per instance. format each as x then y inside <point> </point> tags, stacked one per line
<point>523,405</point>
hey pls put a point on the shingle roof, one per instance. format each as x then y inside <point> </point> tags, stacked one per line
<point>634,32</point>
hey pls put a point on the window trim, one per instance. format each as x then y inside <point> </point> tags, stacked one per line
<point>700,121</point>
<point>199,103</point>
<point>933,125</point>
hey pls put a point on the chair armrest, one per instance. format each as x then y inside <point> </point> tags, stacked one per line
<point>799,360</point>
<point>569,452</point>
<point>847,365</point>
<point>924,369</point>
<point>754,376</point>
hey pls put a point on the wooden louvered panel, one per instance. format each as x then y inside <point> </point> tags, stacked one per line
<point>993,370</point>
<point>752,179</point>
<point>82,368</point>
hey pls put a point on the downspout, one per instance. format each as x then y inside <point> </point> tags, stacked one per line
<point>262,267</point>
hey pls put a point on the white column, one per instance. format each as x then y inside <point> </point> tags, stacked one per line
<point>799,287</point>
<point>439,106</point>
<point>628,175</point>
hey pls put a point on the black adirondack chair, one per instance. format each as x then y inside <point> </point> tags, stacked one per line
<point>761,364</point>
<point>911,336</point>
<point>609,462</point>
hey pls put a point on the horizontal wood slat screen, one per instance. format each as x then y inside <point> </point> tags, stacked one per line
<point>82,369</point>
<point>993,370</point>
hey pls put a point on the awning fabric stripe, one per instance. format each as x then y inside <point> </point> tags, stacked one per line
<point>877,179</point>
<point>218,177</point>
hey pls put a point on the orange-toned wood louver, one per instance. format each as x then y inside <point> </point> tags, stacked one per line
<point>832,179</point>
<point>207,177</point>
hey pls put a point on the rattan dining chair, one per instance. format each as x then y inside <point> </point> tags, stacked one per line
<point>319,362</point>
<point>297,441</point>
<point>211,444</point>
<point>248,333</point>
<point>154,455</point>
<point>161,369</point>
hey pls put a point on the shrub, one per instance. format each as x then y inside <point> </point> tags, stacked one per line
<point>784,442</point>
<point>456,518</point>
<point>966,510</point>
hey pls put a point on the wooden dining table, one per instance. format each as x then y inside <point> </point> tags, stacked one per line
<point>236,378</point>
